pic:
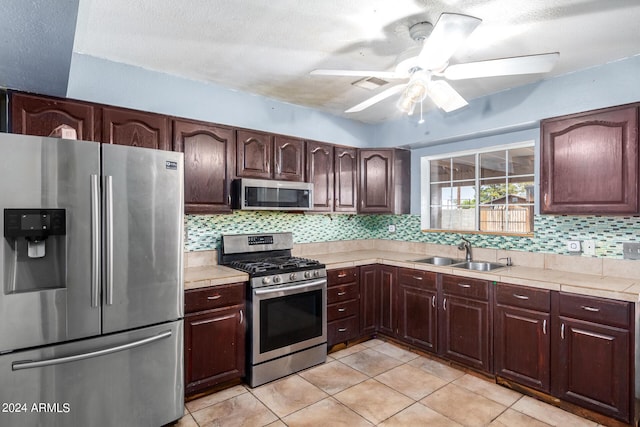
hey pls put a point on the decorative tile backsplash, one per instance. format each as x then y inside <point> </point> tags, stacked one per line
<point>551,232</point>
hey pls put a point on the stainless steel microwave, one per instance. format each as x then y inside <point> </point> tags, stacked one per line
<point>264,194</point>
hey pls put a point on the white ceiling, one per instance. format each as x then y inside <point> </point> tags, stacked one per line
<point>269,47</point>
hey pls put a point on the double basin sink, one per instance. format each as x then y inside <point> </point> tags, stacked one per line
<point>460,263</point>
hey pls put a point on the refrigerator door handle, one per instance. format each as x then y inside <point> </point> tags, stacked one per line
<point>109,237</point>
<point>16,366</point>
<point>95,241</point>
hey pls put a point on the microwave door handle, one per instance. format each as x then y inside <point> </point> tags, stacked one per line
<point>290,288</point>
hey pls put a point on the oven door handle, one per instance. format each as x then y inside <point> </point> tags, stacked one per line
<point>290,288</point>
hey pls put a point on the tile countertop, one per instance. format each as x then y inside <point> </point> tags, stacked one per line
<point>619,288</point>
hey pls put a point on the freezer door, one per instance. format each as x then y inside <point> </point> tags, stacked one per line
<point>142,236</point>
<point>126,379</point>
<point>51,296</point>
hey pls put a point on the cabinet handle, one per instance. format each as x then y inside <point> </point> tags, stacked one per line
<point>342,310</point>
<point>464,285</point>
<point>241,317</point>
<point>591,309</point>
<point>444,304</point>
<point>341,275</point>
<point>417,277</point>
<point>433,301</point>
<point>562,331</point>
<point>544,326</point>
<point>214,297</point>
<point>341,293</point>
<point>523,297</point>
<point>342,329</point>
<point>545,199</point>
<point>229,199</point>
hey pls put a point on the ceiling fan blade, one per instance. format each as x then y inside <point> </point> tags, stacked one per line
<point>531,64</point>
<point>445,96</point>
<point>376,98</point>
<point>447,36</point>
<point>360,73</point>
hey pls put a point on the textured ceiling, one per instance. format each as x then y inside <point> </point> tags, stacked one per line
<point>269,48</point>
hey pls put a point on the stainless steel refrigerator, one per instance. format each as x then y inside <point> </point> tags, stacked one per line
<point>91,303</point>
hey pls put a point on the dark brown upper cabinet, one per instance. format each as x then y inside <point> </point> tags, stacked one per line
<point>266,156</point>
<point>346,179</point>
<point>288,156</point>
<point>320,172</point>
<point>39,115</point>
<point>135,128</point>
<point>590,162</point>
<point>384,181</point>
<point>209,157</point>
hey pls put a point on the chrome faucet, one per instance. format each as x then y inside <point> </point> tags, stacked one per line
<point>465,245</point>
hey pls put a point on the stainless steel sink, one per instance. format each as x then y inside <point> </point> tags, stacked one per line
<point>479,265</point>
<point>438,260</point>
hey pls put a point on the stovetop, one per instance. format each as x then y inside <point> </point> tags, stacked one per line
<point>275,265</point>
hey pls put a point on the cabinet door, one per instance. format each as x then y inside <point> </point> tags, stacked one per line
<point>388,297</point>
<point>288,158</point>
<point>254,151</point>
<point>376,181</point>
<point>346,179</point>
<point>522,346</point>
<point>464,334</point>
<point>208,165</point>
<point>417,312</point>
<point>135,128</point>
<point>590,163</point>
<point>592,366</point>
<point>36,115</point>
<point>369,299</point>
<point>214,347</point>
<point>320,173</point>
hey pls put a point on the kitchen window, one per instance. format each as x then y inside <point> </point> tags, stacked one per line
<point>488,190</point>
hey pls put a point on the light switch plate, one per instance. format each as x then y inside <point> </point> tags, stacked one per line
<point>574,246</point>
<point>631,250</point>
<point>589,247</point>
<point>392,228</point>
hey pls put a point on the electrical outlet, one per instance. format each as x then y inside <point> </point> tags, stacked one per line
<point>392,228</point>
<point>631,250</point>
<point>589,247</point>
<point>574,246</point>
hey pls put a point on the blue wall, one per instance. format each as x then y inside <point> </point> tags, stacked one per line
<point>98,80</point>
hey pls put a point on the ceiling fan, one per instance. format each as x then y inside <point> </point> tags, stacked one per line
<point>420,64</point>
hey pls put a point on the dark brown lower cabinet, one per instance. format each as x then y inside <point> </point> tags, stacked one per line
<point>465,322</point>
<point>592,358</point>
<point>343,305</point>
<point>417,308</point>
<point>522,335</point>
<point>214,336</point>
<point>369,300</point>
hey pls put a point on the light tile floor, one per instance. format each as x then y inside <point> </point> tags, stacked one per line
<point>376,383</point>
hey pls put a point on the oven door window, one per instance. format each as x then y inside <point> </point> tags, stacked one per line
<point>290,319</point>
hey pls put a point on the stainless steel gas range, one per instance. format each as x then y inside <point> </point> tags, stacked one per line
<point>287,304</point>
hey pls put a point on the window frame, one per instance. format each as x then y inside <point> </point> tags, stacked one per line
<point>425,185</point>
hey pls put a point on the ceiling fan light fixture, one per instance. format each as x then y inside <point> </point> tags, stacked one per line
<point>415,92</point>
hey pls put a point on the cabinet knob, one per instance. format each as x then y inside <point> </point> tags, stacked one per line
<point>342,310</point>
<point>342,329</point>
<point>341,275</point>
<point>341,293</point>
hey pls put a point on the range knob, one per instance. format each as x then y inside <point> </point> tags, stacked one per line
<point>266,280</point>
<point>307,274</point>
<point>276,279</point>
<point>293,276</point>
<point>316,273</point>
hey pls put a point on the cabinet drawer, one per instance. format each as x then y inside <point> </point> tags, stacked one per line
<point>342,309</point>
<point>213,297</point>
<point>343,330</point>
<point>342,293</point>
<point>524,297</point>
<point>592,309</point>
<point>417,278</point>
<point>463,286</point>
<point>342,275</point>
